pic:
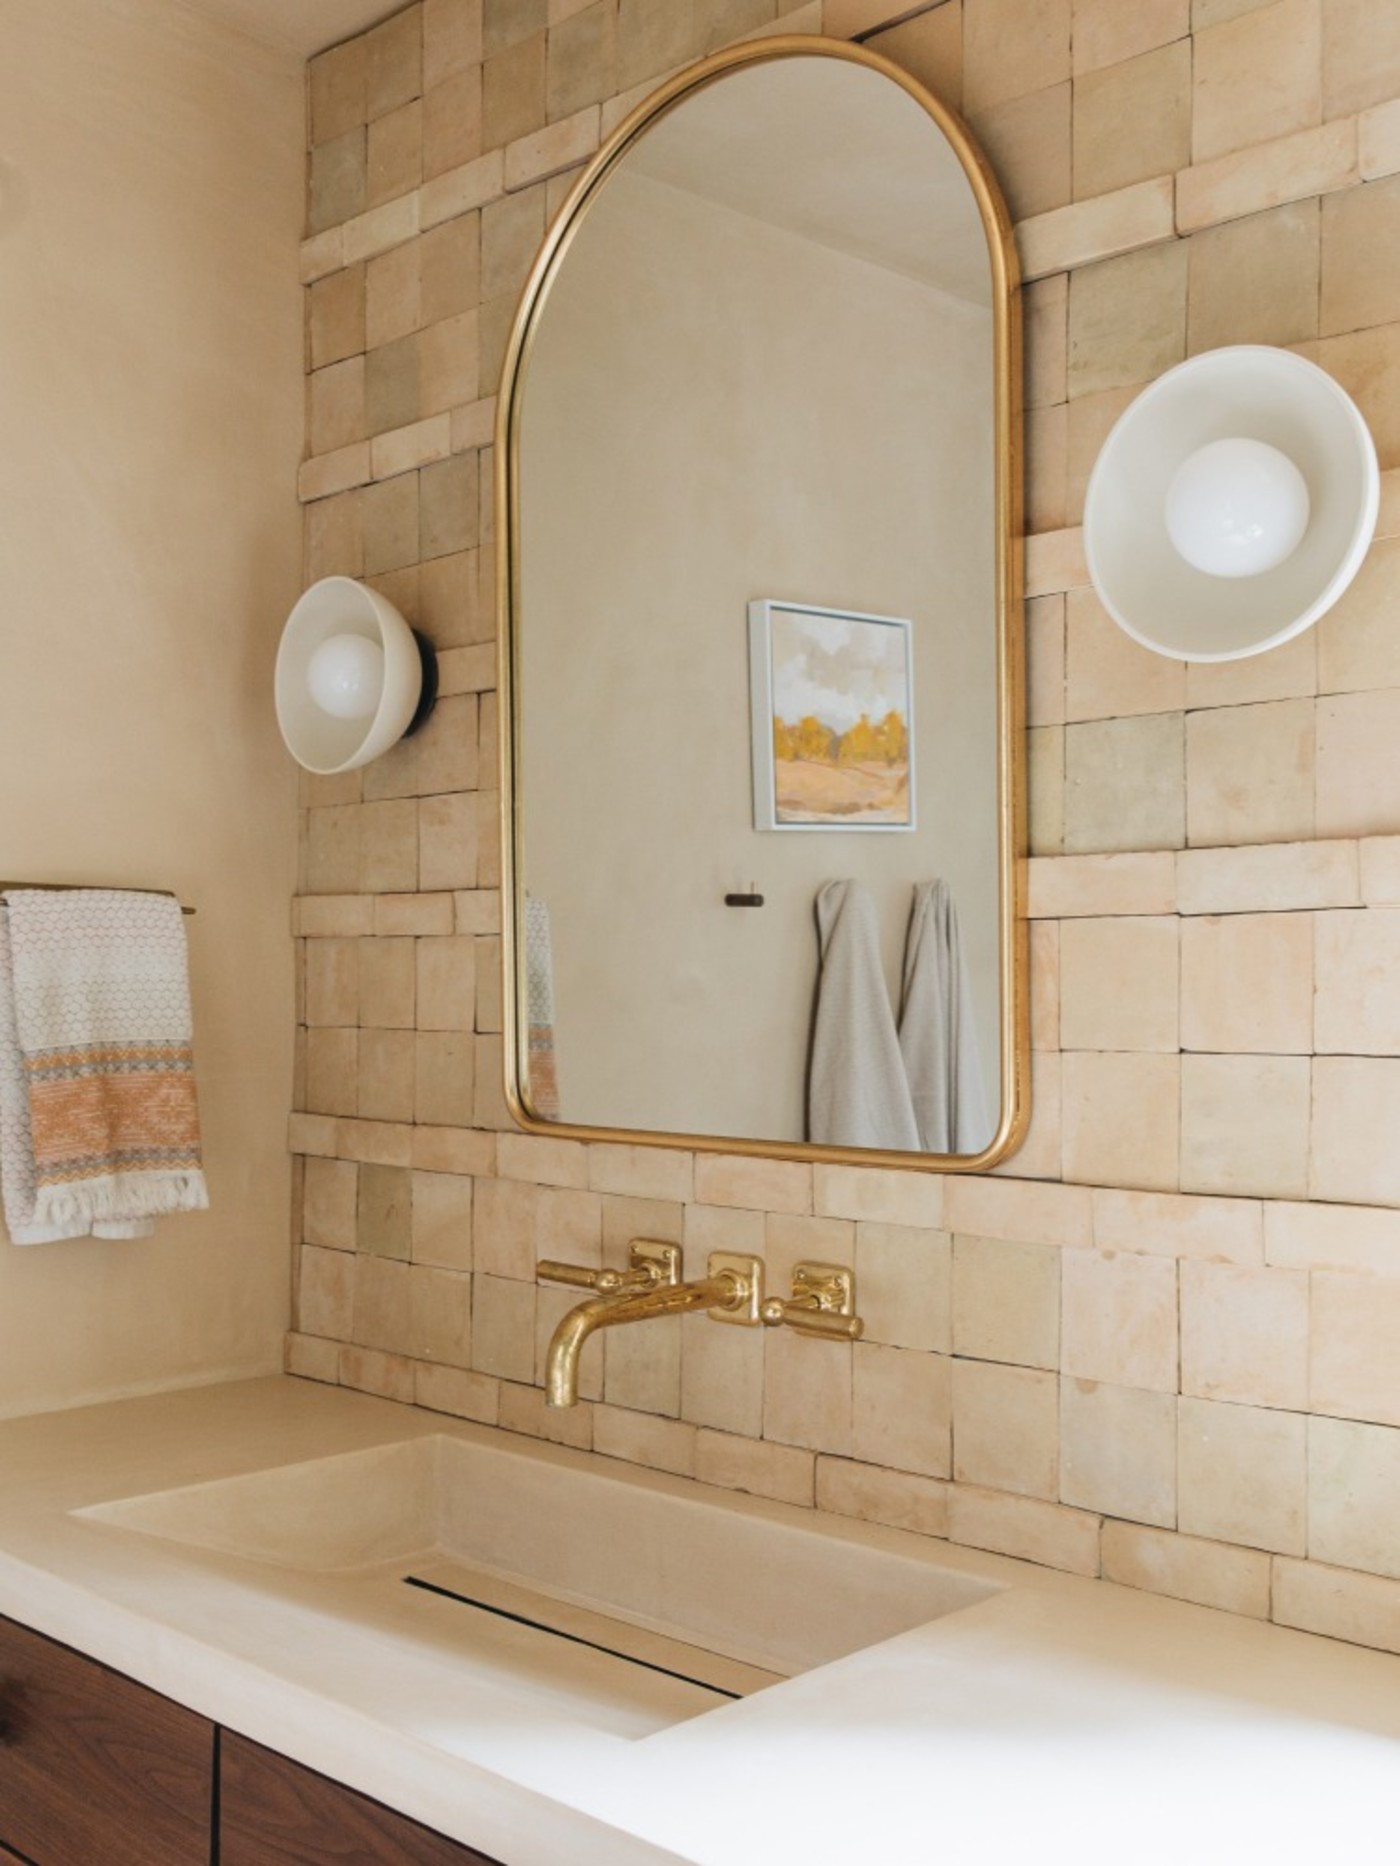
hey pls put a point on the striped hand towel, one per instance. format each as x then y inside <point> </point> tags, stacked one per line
<point>98,1116</point>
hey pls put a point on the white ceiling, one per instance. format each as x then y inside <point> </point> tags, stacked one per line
<point>301,26</point>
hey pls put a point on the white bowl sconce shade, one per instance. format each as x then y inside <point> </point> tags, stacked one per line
<point>352,677</point>
<point>1231,504</point>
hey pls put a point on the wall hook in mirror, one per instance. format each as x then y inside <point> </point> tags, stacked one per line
<point>739,899</point>
<point>352,677</point>
<point>1231,505</point>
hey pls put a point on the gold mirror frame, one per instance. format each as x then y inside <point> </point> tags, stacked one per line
<point>1014,1047</point>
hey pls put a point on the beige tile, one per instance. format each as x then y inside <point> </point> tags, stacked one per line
<point>1045,434</point>
<point>383,1313</point>
<point>1243,1475</point>
<point>930,48</point>
<point>1244,1125</point>
<point>661,1444</point>
<point>1108,674</point>
<point>446,989</point>
<point>1358,1009</point>
<point>582,57</point>
<point>1118,984</point>
<point>312,1134</point>
<point>643,1367</point>
<point>523,1409</point>
<point>336,407</point>
<point>1118,1451</point>
<point>1045,800</point>
<point>333,848</point>
<point>901,1409</point>
<point>722,1375</point>
<point>1354,1099</point>
<point>374,1143</point>
<point>1362,1608</point>
<point>453,1150</point>
<point>330,1192</point>
<point>1028,141</point>
<point>1022,1214</point>
<point>457,1391</point>
<point>1358,776</point>
<point>335,537</point>
<point>1121,1119</point>
<point>453,127</point>
<point>448,376</point>
<point>653,40</point>
<point>439,1314</point>
<point>504,22</point>
<point>308,1358</point>
<point>1006,1302</point>
<point>506,1235</point>
<point>336,91</point>
<point>1106,32</point>
<point>1177,1225</point>
<point>1360,56</point>
<point>503,1327</point>
<point>1353,1369</point>
<point>1332,1237</point>
<point>1250,773</point>
<point>394,163</point>
<point>757,1184</point>
<point>807,1393</point>
<point>450,265</point>
<point>897,1499</point>
<point>394,61</point>
<point>388,857</point>
<point>1356,649</point>
<point>385,1212</point>
<point>1006,1428</point>
<point>387,983</point>
<point>513,91</point>
<point>1185,1568</point>
<point>389,224</point>
<point>1122,222</point>
<point>1288,672</point>
<point>1380,871</point>
<point>641,1172</point>
<point>325,1293</point>
<point>879,1194</point>
<point>1378,141</point>
<point>335,317</point>
<point>1091,420</point>
<point>1309,162</point>
<point>1045,656</point>
<point>709,1228</point>
<point>388,1376</point>
<point>441,1220</point>
<point>903,1286</point>
<point>1268,880</point>
<point>1360,229</point>
<point>1039,1154</point>
<point>1102,884</point>
<point>1008,52</point>
<point>1255,281</point>
<point>332,916</point>
<point>1215,12</point>
<point>1257,77</point>
<point>1046,310</point>
<point>1055,561</point>
<point>323,253</point>
<point>1247,983</point>
<point>734,1463</point>
<point>392,399</point>
<point>460,190</point>
<point>337,190</point>
<point>1132,120</point>
<point>443,1080</point>
<point>1119,1320</point>
<point>452,34</point>
<point>333,472</point>
<point>1127,319</point>
<point>1045,984</point>
<point>1244,1335</point>
<point>386,1066</point>
<point>392,302</point>
<point>1354,1495</point>
<point>1125,784</point>
<point>333,982</point>
<point>1025,1527</point>
<point>545,1161</point>
<point>555,151</point>
<point>331,1071</point>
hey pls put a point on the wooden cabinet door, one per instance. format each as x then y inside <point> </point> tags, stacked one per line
<point>275,1813</point>
<point>95,1769</point>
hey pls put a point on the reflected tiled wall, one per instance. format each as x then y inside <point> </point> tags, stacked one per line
<point>1161,1345</point>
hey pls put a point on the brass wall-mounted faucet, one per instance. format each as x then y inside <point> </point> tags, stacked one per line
<point>822,1303</point>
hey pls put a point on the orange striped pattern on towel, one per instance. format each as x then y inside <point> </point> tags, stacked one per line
<point>112,1108</point>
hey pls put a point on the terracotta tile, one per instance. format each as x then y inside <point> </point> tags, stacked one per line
<point>901,1410</point>
<point>1354,1098</point>
<point>1119,1319</point>
<point>1274,952</point>
<point>1250,773</point>
<point>903,1286</point>
<point>1118,1451</point>
<point>1256,280</point>
<point>1358,777</point>
<point>1185,1568</point>
<point>1118,984</point>
<point>1354,1495</point>
<point>1132,120</point>
<point>897,1499</point>
<point>1028,141</point>
<point>1006,1428</point>
<point>1008,53</point>
<point>1127,319</point>
<point>1244,1334</point>
<point>1121,1115</point>
<point>1125,785</point>
<point>1257,77</point>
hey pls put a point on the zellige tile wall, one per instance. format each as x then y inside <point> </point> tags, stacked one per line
<point>1161,1344</point>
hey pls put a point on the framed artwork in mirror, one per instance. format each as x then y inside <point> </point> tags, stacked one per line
<point>831,696</point>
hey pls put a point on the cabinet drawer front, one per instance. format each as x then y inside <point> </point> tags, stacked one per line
<point>273,1812</point>
<point>96,1768</point>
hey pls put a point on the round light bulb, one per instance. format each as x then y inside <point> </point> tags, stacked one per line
<point>345,676</point>
<point>1236,508</point>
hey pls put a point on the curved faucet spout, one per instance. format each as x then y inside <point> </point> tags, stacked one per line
<point>561,1363</point>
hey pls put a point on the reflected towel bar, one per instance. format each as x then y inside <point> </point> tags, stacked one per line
<point>66,887</point>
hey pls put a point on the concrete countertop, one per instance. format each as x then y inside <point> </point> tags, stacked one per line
<point>1054,1719</point>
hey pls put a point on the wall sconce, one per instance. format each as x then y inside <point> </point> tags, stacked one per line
<point>1231,504</point>
<point>352,677</point>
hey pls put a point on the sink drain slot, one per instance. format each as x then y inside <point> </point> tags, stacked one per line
<point>574,1639</point>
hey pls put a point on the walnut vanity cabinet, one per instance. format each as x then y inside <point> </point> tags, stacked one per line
<point>96,1770</point>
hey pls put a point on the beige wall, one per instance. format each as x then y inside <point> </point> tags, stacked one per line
<point>1160,1347</point>
<point>635,588</point>
<point>149,395</point>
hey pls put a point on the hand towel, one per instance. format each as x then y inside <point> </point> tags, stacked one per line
<point>937,1032</point>
<point>96,1063</point>
<point>857,1092</point>
<point>539,989</point>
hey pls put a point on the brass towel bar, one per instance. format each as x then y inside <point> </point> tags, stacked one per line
<point>65,887</point>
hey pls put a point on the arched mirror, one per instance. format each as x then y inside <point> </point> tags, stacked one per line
<point>758,457</point>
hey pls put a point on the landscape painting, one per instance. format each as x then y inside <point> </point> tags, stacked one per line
<point>832,719</point>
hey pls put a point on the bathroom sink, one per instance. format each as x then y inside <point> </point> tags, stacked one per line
<point>632,1602</point>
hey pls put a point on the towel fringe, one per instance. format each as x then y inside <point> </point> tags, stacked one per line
<point>117,1196</point>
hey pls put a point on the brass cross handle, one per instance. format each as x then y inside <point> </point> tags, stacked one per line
<point>822,1304</point>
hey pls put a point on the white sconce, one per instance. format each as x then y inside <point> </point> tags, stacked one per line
<point>352,677</point>
<point>1231,504</point>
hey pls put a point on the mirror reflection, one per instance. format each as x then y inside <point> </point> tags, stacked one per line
<point>759,539</point>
